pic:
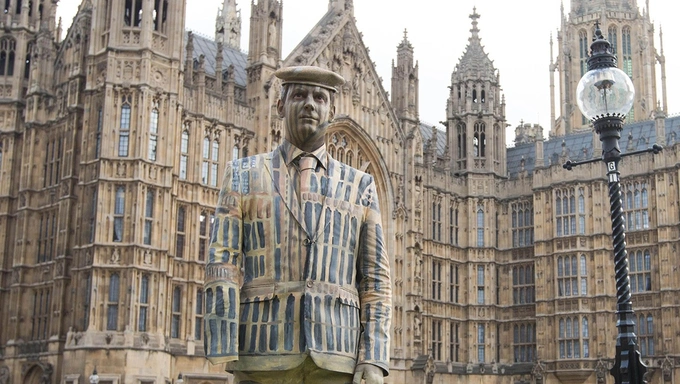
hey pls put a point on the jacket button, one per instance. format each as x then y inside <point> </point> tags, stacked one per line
<point>309,283</point>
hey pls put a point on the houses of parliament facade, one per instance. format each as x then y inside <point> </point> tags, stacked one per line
<point>112,144</point>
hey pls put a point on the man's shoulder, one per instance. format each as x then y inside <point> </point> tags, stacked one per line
<point>253,161</point>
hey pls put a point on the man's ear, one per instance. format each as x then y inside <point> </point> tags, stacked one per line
<point>279,108</point>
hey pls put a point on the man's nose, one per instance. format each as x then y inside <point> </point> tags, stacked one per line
<point>309,103</point>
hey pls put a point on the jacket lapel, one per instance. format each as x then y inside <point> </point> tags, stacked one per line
<point>276,167</point>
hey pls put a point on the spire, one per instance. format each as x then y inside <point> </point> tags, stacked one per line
<point>228,25</point>
<point>405,43</point>
<point>475,31</point>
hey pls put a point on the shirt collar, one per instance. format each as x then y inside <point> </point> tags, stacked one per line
<point>290,152</point>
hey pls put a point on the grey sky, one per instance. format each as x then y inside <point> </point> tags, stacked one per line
<point>515,34</point>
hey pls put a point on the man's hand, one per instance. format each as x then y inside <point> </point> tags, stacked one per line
<point>370,373</point>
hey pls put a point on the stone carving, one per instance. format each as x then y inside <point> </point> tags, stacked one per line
<point>4,375</point>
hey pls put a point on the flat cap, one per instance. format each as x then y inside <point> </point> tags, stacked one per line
<point>310,75</point>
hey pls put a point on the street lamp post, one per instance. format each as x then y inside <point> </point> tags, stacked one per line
<point>605,95</point>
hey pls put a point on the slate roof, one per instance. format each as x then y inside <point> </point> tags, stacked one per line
<point>579,146</point>
<point>208,48</point>
<point>426,133</point>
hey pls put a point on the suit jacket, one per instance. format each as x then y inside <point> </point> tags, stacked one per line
<point>286,281</point>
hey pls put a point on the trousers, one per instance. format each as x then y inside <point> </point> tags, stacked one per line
<point>305,373</point>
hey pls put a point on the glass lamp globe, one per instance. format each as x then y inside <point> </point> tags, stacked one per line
<point>605,92</point>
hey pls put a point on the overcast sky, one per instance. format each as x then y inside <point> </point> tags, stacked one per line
<point>515,34</point>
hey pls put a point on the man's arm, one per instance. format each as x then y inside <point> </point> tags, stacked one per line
<point>375,289</point>
<point>223,273</point>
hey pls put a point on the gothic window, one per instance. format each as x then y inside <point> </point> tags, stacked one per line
<point>198,320</point>
<point>180,237</point>
<point>27,62</point>
<point>176,312</point>
<point>98,137</point>
<point>523,284</point>
<point>480,284</point>
<point>627,62</point>
<point>462,140</point>
<point>480,225</point>
<point>52,165</point>
<point>41,314</point>
<point>573,336</point>
<point>7,52</point>
<point>522,224</point>
<point>7,6</point>
<point>437,340</point>
<point>640,266</point>
<point>143,303</point>
<point>205,230</point>
<point>453,226</point>
<point>153,135</point>
<point>160,15</point>
<point>148,216</point>
<point>565,212</point>
<point>133,13</point>
<point>612,37</point>
<point>479,140</point>
<point>118,213</point>
<point>483,99</point>
<point>583,46</point>
<point>437,221</point>
<point>47,236</point>
<point>474,96</point>
<point>86,301</point>
<point>235,155</point>
<point>436,280</point>
<point>454,341</point>
<point>581,212</point>
<point>453,283</point>
<point>572,276</point>
<point>524,342</point>
<point>481,350</point>
<point>112,303</point>
<point>644,329</point>
<point>93,214</point>
<point>214,157</point>
<point>635,199</point>
<point>184,155</point>
<point>124,138</point>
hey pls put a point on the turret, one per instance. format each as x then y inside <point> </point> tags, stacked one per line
<point>405,82</point>
<point>476,111</point>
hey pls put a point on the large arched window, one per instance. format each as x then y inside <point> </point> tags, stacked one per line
<point>644,329</point>
<point>7,52</point>
<point>143,303</point>
<point>573,336</point>
<point>627,60</point>
<point>160,15</point>
<point>640,266</point>
<point>176,312</point>
<point>572,276</point>
<point>132,16</point>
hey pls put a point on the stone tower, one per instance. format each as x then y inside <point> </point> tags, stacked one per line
<point>476,112</point>
<point>264,57</point>
<point>631,34</point>
<point>228,25</point>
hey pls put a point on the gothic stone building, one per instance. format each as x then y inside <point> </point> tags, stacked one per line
<point>113,139</point>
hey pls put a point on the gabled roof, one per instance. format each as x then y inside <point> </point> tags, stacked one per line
<point>579,146</point>
<point>208,48</point>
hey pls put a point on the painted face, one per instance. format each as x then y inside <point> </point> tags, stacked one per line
<point>305,110</point>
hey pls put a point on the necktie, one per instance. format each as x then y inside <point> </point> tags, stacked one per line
<point>307,166</point>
